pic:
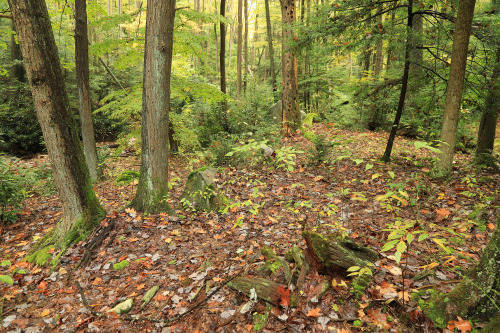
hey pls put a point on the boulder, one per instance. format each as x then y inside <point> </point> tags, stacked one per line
<point>275,112</point>
<point>200,192</point>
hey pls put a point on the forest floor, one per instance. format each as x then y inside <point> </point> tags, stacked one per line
<point>191,254</point>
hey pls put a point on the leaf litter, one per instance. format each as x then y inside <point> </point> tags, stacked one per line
<point>190,255</point>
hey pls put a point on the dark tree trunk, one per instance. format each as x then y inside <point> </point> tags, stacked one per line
<point>245,46</point>
<point>463,27</point>
<point>152,190</point>
<point>404,86</point>
<point>270,46</point>
<point>83,86</point>
<point>290,93</point>
<point>81,209</point>
<point>489,118</point>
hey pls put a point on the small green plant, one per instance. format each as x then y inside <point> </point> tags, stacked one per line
<point>285,158</point>
<point>319,153</point>
<point>127,177</point>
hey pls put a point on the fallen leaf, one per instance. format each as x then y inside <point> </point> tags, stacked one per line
<point>462,325</point>
<point>285,296</point>
<point>442,213</point>
<point>491,226</point>
<point>314,312</point>
<point>45,313</point>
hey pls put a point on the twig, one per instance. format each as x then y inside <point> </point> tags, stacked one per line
<point>84,300</point>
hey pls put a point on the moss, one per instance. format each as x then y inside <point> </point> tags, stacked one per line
<point>41,256</point>
<point>493,325</point>
<point>359,285</point>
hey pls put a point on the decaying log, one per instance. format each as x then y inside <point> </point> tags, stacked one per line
<point>330,254</point>
<point>264,288</point>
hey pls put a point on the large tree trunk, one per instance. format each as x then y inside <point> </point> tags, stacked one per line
<point>379,56</point>
<point>81,209</point>
<point>239,55</point>
<point>390,142</point>
<point>455,86</point>
<point>270,45</point>
<point>489,118</point>
<point>290,93</point>
<point>477,296</point>
<point>83,86</point>
<point>153,180</point>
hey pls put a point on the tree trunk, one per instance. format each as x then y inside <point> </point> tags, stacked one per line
<point>290,93</point>
<point>463,27</point>
<point>270,46</point>
<point>81,210</point>
<point>245,39</point>
<point>477,296</point>
<point>404,85</point>
<point>153,180</point>
<point>83,86</point>
<point>222,64</point>
<point>489,118</point>
<point>239,55</point>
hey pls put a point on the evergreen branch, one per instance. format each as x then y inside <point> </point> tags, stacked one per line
<point>383,12</point>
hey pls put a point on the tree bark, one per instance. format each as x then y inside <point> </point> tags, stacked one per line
<point>463,27</point>
<point>379,56</point>
<point>83,86</point>
<point>81,210</point>
<point>489,118</point>
<point>390,142</point>
<point>245,45</point>
<point>222,64</point>
<point>239,55</point>
<point>290,93</point>
<point>477,296</point>
<point>270,45</point>
<point>153,180</point>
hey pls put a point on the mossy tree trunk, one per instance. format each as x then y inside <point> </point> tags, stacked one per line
<point>152,190</point>
<point>80,207</point>
<point>489,118</point>
<point>477,297</point>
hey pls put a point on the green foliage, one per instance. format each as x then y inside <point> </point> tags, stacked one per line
<point>11,191</point>
<point>127,177</point>
<point>121,265</point>
<point>20,132</point>
<point>319,153</point>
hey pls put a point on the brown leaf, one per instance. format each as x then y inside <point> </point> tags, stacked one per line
<point>285,296</point>
<point>442,213</point>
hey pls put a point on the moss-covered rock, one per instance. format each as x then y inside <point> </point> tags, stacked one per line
<point>200,192</point>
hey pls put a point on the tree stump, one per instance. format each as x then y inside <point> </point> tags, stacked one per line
<point>333,254</point>
<point>264,288</point>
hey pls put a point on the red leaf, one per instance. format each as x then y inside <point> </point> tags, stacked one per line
<point>285,296</point>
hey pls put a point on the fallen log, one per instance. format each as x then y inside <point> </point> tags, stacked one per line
<point>264,288</point>
<point>330,254</point>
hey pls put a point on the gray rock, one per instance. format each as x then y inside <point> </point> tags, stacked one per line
<point>275,112</point>
<point>200,192</point>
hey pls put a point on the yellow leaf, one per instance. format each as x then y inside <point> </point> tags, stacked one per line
<point>45,313</point>
<point>430,266</point>
<point>168,240</point>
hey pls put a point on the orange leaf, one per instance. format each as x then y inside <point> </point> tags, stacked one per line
<point>45,312</point>
<point>314,312</point>
<point>133,239</point>
<point>285,296</point>
<point>42,285</point>
<point>141,286</point>
<point>442,214</point>
<point>491,226</point>
<point>462,325</point>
